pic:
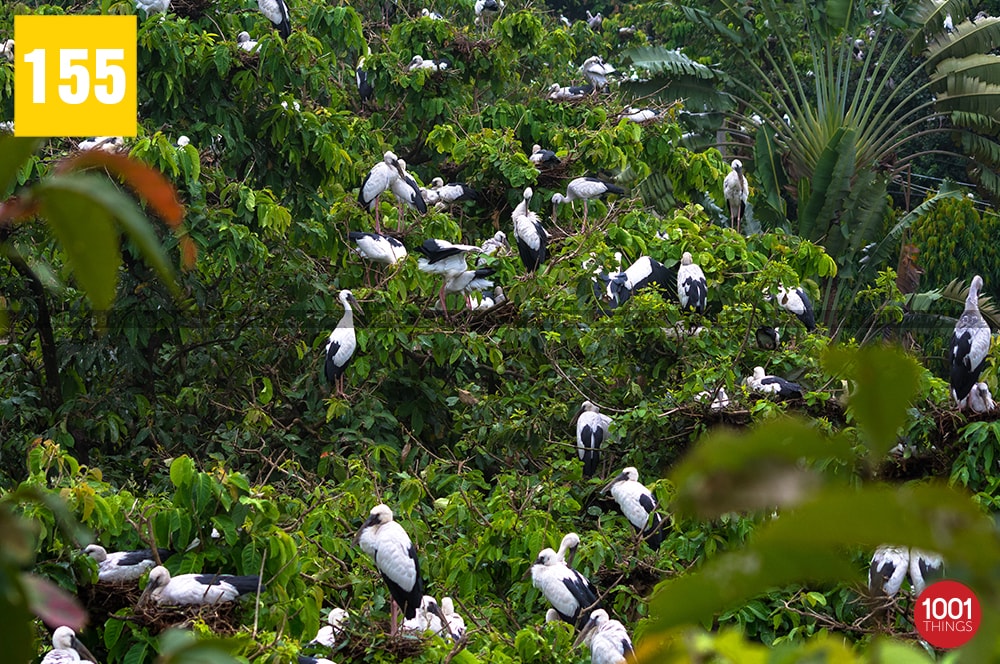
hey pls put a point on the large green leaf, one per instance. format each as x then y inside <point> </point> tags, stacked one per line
<point>85,229</point>
<point>886,381</point>
<point>769,172</point>
<point>826,181</point>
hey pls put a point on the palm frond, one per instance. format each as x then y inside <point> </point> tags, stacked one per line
<point>982,66</point>
<point>968,39</point>
<point>670,62</point>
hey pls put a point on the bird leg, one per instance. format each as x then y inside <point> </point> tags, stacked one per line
<point>585,213</point>
<point>378,221</point>
<point>441,296</point>
<point>393,617</point>
<point>399,220</point>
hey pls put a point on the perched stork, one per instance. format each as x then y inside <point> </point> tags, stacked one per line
<point>341,344</point>
<point>396,559</point>
<point>123,565</point>
<point>591,430</point>
<point>379,179</point>
<point>797,302</point>
<point>980,400</point>
<point>638,505</point>
<point>407,192</point>
<point>719,402</point>
<point>428,619</point>
<point>7,50</point>
<point>542,156</point>
<point>594,22</point>
<point>768,338</point>
<point>378,248</point>
<point>608,640</point>
<point>924,567</point>
<point>243,41</point>
<point>969,345</point>
<point>454,622</point>
<point>276,12</point>
<point>66,647</point>
<point>761,382</point>
<point>584,189</point>
<point>736,191</point>
<point>446,194</point>
<point>596,71</point>
<point>306,659</point>
<point>468,282</point>
<point>419,62</point>
<point>489,300</point>
<point>103,143</point>
<point>532,240</point>
<point>568,591</point>
<point>486,10</point>
<point>444,258</point>
<point>187,589</point>
<point>949,24</point>
<point>692,289</point>
<point>153,6</point>
<point>640,115</point>
<point>569,93</point>
<point>363,80</point>
<point>334,627</point>
<point>567,548</point>
<point>492,246</point>
<point>644,272</point>
<point>888,570</point>
<point>431,14</point>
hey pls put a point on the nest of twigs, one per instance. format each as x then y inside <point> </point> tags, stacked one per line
<point>554,176</point>
<point>485,321</point>
<point>466,46</point>
<point>104,599</point>
<point>357,646</point>
<point>249,59</point>
<point>223,618</point>
<point>190,8</point>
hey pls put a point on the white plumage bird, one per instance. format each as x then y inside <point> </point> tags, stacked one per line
<point>969,346</point>
<point>153,6</point>
<point>596,71</point>
<point>407,192</point>
<point>66,647</point>
<point>379,179</point>
<point>638,505</point>
<point>568,591</point>
<point>120,566</point>
<point>468,282</point>
<point>428,618</point>
<point>444,258</point>
<point>395,557</point>
<point>692,288</point>
<point>643,273</point>
<point>276,11</point>
<point>341,344</point>
<point>584,189</point>
<point>888,570</point>
<point>736,191</point>
<point>980,400</point>
<point>532,240</point>
<point>334,627</point>
<point>7,50</point>
<point>196,589</point>
<point>760,381</point>
<point>608,640</point>
<point>591,432</point>
<point>487,9</point>
<point>719,402</point>
<point>243,41</point>
<point>797,302</point>
<point>640,115</point>
<point>925,566</point>
<point>492,246</point>
<point>418,62</point>
<point>542,156</point>
<point>569,93</point>
<point>454,622</point>
<point>378,248</point>
<point>567,548</point>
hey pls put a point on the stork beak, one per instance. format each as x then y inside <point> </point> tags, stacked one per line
<point>613,482</point>
<point>82,650</point>
<point>572,422</point>
<point>436,610</point>
<point>583,634</point>
<point>144,597</point>
<point>570,555</point>
<point>354,304</point>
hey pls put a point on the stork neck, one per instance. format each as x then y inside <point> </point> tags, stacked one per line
<point>348,318</point>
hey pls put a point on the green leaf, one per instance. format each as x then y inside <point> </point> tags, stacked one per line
<point>885,382</point>
<point>13,153</point>
<point>83,225</point>
<point>182,471</point>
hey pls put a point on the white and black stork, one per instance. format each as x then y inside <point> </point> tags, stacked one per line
<point>543,157</point>
<point>608,640</point>
<point>66,648</point>
<point>797,302</point>
<point>532,240</point>
<point>584,189</point>
<point>591,431</point>
<point>196,589</point>
<point>568,591</point>
<point>644,272</point>
<point>341,344</point>
<point>121,566</point>
<point>379,179</point>
<point>444,258</point>
<point>395,556</point>
<point>638,505</point>
<point>760,381</point>
<point>736,192</point>
<point>276,12</point>
<point>692,289</point>
<point>407,192</point>
<point>969,346</point>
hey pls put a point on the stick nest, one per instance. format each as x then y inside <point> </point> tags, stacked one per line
<point>105,599</point>
<point>191,9</point>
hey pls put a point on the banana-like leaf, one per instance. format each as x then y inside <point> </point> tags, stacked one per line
<point>703,18</point>
<point>880,253</point>
<point>672,62</point>
<point>826,181</point>
<point>988,180</point>
<point>982,66</point>
<point>968,39</point>
<point>971,96</point>
<point>982,148</point>
<point>976,122</point>
<point>769,172</point>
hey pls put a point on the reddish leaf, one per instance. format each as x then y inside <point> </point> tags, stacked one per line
<point>52,604</point>
<point>149,183</point>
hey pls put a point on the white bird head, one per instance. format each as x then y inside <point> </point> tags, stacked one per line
<point>974,288</point>
<point>182,141</point>
<point>568,546</point>
<point>346,298</point>
<point>337,617</point>
<point>64,638</point>
<point>447,606</point>
<point>97,552</point>
<point>597,618</point>
<point>630,474</point>
<point>436,183</point>
<point>547,557</point>
<point>759,373</point>
<point>686,258</point>
<point>243,37</point>
<point>555,87</point>
<point>585,407</point>
<point>7,49</point>
<point>416,61</point>
<point>390,158</point>
<point>536,147</point>
<point>158,578</point>
<point>737,165</point>
<point>528,193</point>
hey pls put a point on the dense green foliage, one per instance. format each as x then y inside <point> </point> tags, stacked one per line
<point>157,416</point>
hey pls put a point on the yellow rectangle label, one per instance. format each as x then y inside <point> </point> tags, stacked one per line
<point>75,76</point>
